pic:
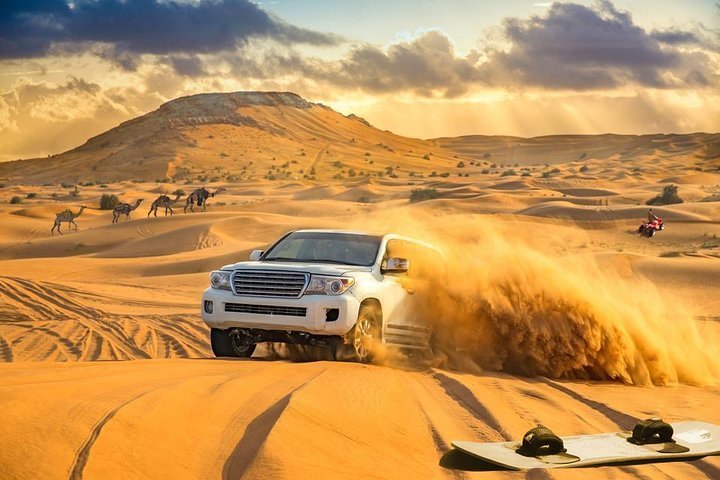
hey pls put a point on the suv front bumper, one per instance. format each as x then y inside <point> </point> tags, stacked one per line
<point>267,313</point>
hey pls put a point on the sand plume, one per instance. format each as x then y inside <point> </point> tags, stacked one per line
<point>513,304</point>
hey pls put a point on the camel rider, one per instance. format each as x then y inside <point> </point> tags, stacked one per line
<point>652,218</point>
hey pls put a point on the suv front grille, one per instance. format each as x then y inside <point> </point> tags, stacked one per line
<point>265,309</point>
<point>269,283</point>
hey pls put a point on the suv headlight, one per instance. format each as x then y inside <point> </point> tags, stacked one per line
<point>220,279</point>
<point>321,285</point>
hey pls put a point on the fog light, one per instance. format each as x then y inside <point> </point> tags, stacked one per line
<point>208,306</point>
<point>331,314</point>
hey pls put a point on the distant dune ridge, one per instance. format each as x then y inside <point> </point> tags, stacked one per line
<point>222,133</point>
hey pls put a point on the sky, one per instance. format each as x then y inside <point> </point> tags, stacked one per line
<point>72,69</point>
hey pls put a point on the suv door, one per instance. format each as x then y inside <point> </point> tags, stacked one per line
<point>406,325</point>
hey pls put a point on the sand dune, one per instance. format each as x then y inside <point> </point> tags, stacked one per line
<point>131,419</point>
<point>106,369</point>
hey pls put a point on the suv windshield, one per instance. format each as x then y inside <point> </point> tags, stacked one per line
<point>327,247</point>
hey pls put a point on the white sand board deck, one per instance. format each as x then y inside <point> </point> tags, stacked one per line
<point>701,439</point>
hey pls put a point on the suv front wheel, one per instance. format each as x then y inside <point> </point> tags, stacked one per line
<point>224,344</point>
<point>364,338</point>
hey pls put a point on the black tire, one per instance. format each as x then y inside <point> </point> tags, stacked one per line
<point>224,345</point>
<point>364,337</point>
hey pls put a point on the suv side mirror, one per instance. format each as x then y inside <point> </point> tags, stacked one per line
<point>256,254</point>
<point>396,265</point>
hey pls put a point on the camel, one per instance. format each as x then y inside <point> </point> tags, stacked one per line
<point>164,201</point>
<point>200,197</point>
<point>124,209</point>
<point>66,216</point>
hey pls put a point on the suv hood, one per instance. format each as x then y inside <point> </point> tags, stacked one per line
<point>305,267</point>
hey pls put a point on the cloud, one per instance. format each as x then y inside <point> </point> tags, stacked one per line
<point>570,47</point>
<point>189,66</point>
<point>424,65</point>
<point>38,118</point>
<point>581,48</point>
<point>35,28</point>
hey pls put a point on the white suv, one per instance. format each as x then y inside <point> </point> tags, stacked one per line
<point>343,290</point>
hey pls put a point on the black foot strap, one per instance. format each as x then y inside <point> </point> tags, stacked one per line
<point>540,441</point>
<point>651,431</point>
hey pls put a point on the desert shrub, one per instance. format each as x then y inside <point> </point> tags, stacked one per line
<point>508,173</point>
<point>443,175</point>
<point>426,156</point>
<point>582,156</point>
<point>712,243</point>
<point>485,171</point>
<point>668,196</point>
<point>486,155</point>
<point>108,201</point>
<point>546,174</point>
<point>67,185</point>
<point>526,174</point>
<point>461,164</point>
<point>584,168</point>
<point>15,200</point>
<point>421,194</point>
<point>31,195</point>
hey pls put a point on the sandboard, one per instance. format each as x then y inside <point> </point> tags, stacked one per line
<point>700,438</point>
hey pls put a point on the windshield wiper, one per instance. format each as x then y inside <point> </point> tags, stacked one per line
<point>312,260</point>
<point>339,262</point>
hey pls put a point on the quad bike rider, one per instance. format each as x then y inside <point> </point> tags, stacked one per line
<point>654,224</point>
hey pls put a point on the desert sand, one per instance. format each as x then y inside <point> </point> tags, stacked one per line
<point>569,318</point>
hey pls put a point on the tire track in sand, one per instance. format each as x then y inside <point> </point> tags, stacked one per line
<point>81,458</point>
<point>464,397</point>
<point>258,430</point>
<point>6,353</point>
<point>83,454</point>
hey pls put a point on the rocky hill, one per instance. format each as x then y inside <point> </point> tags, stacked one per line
<point>279,135</point>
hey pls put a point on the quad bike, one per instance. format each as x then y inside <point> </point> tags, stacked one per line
<point>648,229</point>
